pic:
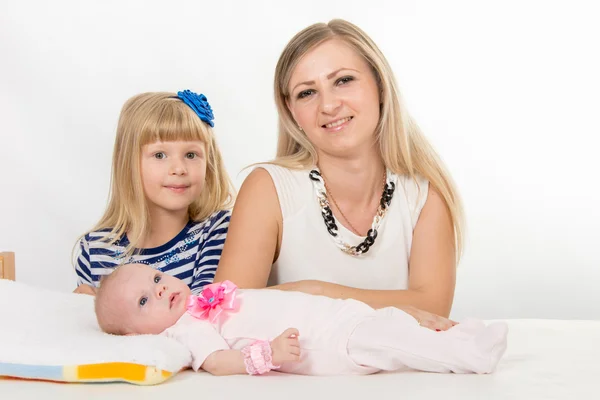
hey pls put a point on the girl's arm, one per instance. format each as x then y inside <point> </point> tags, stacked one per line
<point>85,289</point>
<point>209,251</point>
<point>85,283</point>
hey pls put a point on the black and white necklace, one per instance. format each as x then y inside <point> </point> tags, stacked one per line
<point>329,219</point>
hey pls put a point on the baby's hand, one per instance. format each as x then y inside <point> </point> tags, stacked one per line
<point>286,347</point>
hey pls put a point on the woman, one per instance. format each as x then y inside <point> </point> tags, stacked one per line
<point>356,203</point>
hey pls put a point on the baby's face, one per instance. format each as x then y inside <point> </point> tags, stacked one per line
<point>151,301</point>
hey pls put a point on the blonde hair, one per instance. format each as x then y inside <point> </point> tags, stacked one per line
<point>404,149</point>
<point>147,118</point>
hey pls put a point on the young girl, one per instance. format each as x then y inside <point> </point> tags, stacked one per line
<point>170,194</point>
<point>227,330</point>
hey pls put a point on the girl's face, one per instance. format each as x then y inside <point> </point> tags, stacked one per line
<point>334,98</point>
<point>173,174</point>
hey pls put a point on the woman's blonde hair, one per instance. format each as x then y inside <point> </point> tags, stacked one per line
<point>404,149</point>
<point>147,118</point>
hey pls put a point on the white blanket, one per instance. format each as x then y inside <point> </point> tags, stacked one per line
<point>45,328</point>
<point>545,359</point>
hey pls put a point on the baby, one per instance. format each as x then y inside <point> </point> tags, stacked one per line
<point>234,331</point>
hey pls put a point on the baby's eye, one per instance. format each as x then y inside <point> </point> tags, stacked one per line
<point>305,93</point>
<point>191,156</point>
<point>160,155</point>
<point>143,301</point>
<point>157,278</point>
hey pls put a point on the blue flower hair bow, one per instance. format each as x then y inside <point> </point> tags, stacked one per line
<point>199,104</point>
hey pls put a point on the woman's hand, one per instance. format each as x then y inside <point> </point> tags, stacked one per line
<point>85,289</point>
<point>286,347</point>
<point>429,320</point>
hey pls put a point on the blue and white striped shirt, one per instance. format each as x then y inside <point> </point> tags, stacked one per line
<point>191,256</point>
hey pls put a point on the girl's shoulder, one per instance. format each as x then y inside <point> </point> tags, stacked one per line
<point>217,220</point>
<point>103,236</point>
<point>218,217</point>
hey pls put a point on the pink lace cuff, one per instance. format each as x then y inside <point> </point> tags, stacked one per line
<point>258,358</point>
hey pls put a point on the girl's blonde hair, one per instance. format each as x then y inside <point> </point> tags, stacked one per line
<point>147,118</point>
<point>404,149</point>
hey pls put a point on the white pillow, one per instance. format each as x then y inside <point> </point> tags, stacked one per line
<point>51,335</point>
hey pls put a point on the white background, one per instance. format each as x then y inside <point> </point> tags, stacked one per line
<point>507,91</point>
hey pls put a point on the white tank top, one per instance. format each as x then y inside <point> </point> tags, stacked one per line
<point>308,252</point>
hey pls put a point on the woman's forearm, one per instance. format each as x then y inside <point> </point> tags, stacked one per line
<point>375,298</point>
<point>391,298</point>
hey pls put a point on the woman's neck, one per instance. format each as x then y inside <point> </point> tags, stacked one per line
<point>164,226</point>
<point>357,182</point>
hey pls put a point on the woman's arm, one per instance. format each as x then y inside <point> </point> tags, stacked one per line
<point>432,268</point>
<point>254,233</point>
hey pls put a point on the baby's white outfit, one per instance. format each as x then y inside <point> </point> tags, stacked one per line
<point>342,337</point>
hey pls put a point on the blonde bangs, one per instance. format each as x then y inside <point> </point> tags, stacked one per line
<point>173,120</point>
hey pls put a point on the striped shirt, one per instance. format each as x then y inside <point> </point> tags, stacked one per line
<point>191,256</point>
